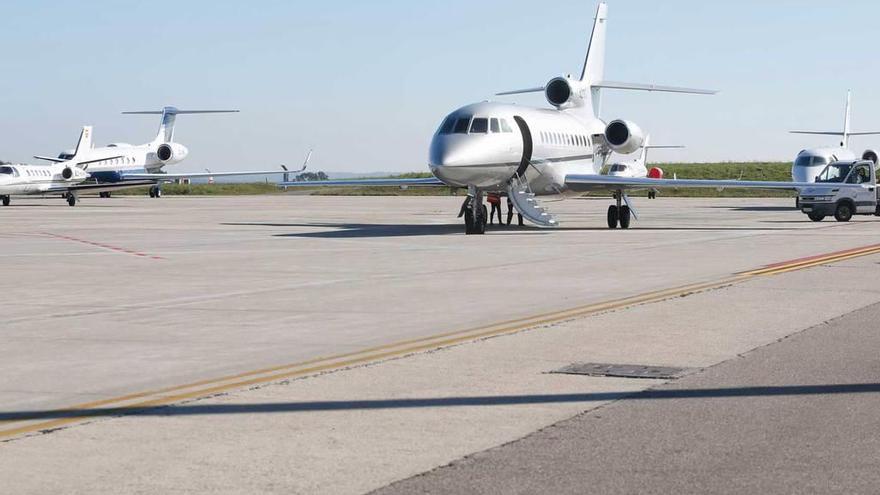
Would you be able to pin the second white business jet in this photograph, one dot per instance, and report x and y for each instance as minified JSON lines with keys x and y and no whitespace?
{"x":68,"y":178}
{"x":810,"y":162}
{"x":525,"y":152}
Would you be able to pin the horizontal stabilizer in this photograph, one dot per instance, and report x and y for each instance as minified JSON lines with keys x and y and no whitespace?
{"x":521,"y":91}
{"x":49,"y":159}
{"x":177,"y":112}
{"x":652,"y":87}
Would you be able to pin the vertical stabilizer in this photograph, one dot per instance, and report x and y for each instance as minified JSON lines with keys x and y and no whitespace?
{"x":169,"y":116}
{"x":594,"y":63}
{"x":85,"y":141}
{"x":846,"y":122}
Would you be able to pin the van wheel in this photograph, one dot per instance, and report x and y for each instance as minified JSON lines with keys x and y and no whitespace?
{"x":816,"y":217}
{"x":843,"y":213}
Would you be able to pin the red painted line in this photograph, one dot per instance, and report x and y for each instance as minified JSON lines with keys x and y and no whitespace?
{"x":822,"y":256}
{"x":103,"y":246}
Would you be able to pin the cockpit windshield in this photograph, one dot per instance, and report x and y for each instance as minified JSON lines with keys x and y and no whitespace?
{"x":467,"y":124}
{"x":618,"y":168}
{"x":7,"y":170}
{"x":836,"y":172}
{"x":810,"y":161}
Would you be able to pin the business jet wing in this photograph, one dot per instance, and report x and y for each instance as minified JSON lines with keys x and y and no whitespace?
{"x":415,"y":182}
{"x":200,"y":175}
{"x":587,"y":183}
{"x":91,"y":187}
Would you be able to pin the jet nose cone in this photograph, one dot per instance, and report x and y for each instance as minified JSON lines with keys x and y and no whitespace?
{"x":453,"y":151}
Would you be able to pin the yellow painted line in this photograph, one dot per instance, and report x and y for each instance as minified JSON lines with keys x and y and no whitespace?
{"x":209,"y":387}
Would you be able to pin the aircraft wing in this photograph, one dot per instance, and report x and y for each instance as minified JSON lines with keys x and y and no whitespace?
{"x":201,"y":175}
{"x":424,"y":182}
{"x":586,"y":183}
{"x":91,"y":187}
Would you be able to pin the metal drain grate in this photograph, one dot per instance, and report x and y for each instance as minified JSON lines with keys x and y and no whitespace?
{"x":623,"y":370}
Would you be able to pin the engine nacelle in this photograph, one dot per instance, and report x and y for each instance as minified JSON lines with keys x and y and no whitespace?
{"x":565,"y":92}
{"x":624,"y":137}
{"x":870,"y":155}
{"x":74,"y":174}
{"x":655,"y":173}
{"x":171,"y":152}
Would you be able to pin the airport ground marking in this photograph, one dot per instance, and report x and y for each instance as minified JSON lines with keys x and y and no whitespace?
{"x":116,"y":249}
{"x":210,"y":387}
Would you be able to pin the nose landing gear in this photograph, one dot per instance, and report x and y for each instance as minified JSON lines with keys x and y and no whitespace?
{"x":6,"y":200}
{"x":619,"y":213}
{"x":475,"y":213}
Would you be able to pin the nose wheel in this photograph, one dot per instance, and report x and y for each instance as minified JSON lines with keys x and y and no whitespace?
{"x":71,"y":199}
{"x":6,"y":200}
{"x":155,"y":192}
{"x":475,"y":214}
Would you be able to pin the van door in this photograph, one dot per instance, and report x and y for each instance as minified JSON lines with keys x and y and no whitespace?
{"x":865,"y":197}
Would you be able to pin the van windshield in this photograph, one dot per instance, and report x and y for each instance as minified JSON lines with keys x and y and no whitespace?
{"x":836,"y":172}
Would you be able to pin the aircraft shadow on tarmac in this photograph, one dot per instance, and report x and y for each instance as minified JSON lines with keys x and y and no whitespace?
{"x":754,"y":208}
{"x":357,"y":230}
{"x":416,"y":403}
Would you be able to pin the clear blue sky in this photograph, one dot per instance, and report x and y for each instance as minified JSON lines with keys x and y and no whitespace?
{"x":366,"y":83}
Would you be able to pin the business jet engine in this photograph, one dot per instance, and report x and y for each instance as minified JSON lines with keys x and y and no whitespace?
{"x":624,"y":137}
{"x":870,"y":155}
{"x":171,"y":152}
{"x":74,"y":174}
{"x":565,"y":92}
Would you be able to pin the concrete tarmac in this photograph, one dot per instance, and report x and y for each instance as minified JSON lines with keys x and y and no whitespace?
{"x":797,"y":416}
{"x":119,"y":296}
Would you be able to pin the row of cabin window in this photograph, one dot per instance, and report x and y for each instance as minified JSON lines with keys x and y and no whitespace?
{"x":35,"y":173}
{"x":562,"y":139}
{"x":479,"y":125}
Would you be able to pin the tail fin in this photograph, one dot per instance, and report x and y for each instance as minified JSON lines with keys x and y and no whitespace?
{"x":169,"y":116}
{"x":847,"y":119}
{"x":85,"y":141}
{"x":847,"y":130}
{"x":594,"y":64}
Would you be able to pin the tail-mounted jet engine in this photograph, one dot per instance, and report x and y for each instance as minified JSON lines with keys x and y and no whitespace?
{"x":74,"y":173}
{"x":655,"y":173}
{"x":565,"y":92}
{"x":870,"y":155}
{"x":171,"y":152}
{"x":624,"y":137}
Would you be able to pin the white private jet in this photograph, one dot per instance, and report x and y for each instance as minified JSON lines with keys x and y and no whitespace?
{"x":118,"y":162}
{"x":525,"y":152}
{"x":68,"y":178}
{"x":810,"y":162}
{"x":638,"y":167}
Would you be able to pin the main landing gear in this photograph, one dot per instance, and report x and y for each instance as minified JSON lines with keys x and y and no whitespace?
{"x":5,"y":200}
{"x":474,"y":212}
{"x":619,"y":213}
{"x":105,"y":194}
{"x":71,"y":199}
{"x":155,"y":192}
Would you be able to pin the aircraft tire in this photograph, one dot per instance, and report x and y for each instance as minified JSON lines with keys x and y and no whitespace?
{"x":613,"y":217}
{"x":6,"y":200}
{"x":625,"y":217}
{"x":71,"y":199}
{"x":843,"y":213}
{"x":816,"y":217}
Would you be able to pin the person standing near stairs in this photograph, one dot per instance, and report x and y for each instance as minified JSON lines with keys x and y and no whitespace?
{"x":495,"y":201}
{"x":510,"y":213}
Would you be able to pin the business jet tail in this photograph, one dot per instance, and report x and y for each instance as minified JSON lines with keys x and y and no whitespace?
{"x":846,"y":133}
{"x":85,"y":141}
{"x":169,"y":116}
